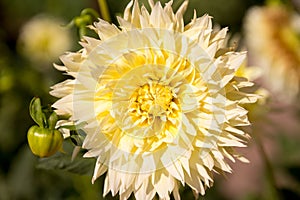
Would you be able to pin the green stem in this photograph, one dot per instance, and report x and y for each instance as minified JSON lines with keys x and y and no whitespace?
{"x":104,"y":10}
{"x":273,"y":2}
{"x":287,"y":3}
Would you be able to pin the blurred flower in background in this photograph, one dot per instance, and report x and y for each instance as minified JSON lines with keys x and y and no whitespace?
{"x":43,"y":38}
{"x":272,"y":37}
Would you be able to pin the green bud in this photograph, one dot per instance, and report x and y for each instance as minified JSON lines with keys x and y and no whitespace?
{"x":44,"y":142}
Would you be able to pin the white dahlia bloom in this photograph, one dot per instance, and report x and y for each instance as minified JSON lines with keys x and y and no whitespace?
{"x":162,"y":105}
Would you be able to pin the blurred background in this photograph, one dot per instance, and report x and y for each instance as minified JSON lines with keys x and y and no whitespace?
{"x":34,"y":33}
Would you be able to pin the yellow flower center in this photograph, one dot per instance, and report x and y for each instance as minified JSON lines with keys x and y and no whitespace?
{"x":153,"y":100}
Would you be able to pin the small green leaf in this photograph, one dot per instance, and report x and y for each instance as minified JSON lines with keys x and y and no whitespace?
{"x":74,"y":140}
{"x":73,"y":127}
{"x":64,"y":117}
{"x":77,"y":139}
{"x":52,"y":120}
{"x":36,"y":113}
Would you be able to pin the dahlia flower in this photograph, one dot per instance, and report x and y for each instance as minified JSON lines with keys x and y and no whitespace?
{"x":161,"y":103}
{"x":272,"y":39}
{"x":42,"y":39}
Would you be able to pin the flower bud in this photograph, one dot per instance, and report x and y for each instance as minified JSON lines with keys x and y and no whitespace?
{"x":44,"y":142}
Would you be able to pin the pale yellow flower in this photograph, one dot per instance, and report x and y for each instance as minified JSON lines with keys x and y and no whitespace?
{"x":273,"y":43}
{"x":42,"y":39}
{"x":161,"y":108}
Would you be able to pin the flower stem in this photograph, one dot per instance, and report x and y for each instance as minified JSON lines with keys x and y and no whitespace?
{"x":278,"y":2}
{"x":104,"y":10}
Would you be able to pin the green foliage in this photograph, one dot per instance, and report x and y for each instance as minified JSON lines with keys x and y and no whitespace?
{"x":81,"y":22}
{"x":36,"y":113}
{"x":79,"y":165}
